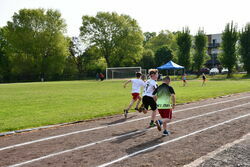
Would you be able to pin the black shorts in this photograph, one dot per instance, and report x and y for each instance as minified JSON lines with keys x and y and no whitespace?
{"x":149,"y":101}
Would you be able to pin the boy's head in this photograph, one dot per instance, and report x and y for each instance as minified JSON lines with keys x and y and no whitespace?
{"x":138,"y":74}
{"x":166,"y":80}
{"x":153,"y":73}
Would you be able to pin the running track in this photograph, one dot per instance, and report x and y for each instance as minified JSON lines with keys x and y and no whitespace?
{"x":197,"y":129}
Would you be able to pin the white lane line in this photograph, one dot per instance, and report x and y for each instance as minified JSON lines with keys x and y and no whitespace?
{"x":117,"y":137}
{"x":106,"y":126}
{"x":212,"y":154}
{"x":170,"y":141}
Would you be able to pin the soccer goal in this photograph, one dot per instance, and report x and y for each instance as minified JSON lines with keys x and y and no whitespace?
{"x":122,"y":72}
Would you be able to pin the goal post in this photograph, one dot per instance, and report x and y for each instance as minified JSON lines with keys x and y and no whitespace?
{"x":122,"y":72}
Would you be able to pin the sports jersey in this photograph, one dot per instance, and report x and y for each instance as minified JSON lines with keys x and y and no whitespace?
{"x":150,"y":87}
{"x":136,"y":85}
{"x":163,"y":93}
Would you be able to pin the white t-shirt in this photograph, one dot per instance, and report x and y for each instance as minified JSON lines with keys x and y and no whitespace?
{"x":136,"y":85}
{"x":150,"y":87}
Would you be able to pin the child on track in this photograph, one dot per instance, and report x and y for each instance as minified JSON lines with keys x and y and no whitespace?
{"x":136,"y":88}
{"x":164,"y":94}
{"x":148,"y":99}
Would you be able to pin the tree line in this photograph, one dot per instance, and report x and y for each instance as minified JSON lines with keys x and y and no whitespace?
{"x":33,"y":46}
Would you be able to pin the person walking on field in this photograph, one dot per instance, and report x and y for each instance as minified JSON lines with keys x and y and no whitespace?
{"x":136,"y":88}
{"x":164,"y":94}
{"x":184,"y":79}
{"x":148,"y":99}
{"x":204,"y":79}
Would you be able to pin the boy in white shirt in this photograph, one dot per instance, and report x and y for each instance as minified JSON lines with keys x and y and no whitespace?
{"x":136,"y":88}
{"x":148,"y":100}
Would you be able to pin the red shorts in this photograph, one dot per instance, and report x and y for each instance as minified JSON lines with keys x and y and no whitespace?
{"x":165,"y":113}
{"x":135,"y":96}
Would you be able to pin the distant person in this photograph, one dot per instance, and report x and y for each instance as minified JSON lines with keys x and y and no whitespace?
{"x":136,"y":89}
{"x":204,"y":79}
{"x":159,"y":77}
{"x":165,"y":97}
{"x":97,"y":76}
{"x":184,"y":79}
{"x":101,"y":76}
{"x":148,"y":99}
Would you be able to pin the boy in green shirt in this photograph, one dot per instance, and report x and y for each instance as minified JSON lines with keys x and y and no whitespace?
{"x":164,"y":94}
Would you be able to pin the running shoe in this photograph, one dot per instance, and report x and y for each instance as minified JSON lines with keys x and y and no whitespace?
{"x":136,"y":109}
{"x":125,"y":113}
{"x":166,"y":133}
{"x":152,"y":124}
{"x":158,"y":124}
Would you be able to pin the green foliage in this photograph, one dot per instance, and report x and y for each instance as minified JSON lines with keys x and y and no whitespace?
{"x":163,"y":55}
{"x":184,"y":42}
{"x":147,"y":60}
{"x":118,"y":37}
{"x":38,"y":46}
{"x":4,"y":60}
{"x":148,"y":36}
{"x":229,"y":39}
{"x":245,"y":47}
{"x":200,"y":47}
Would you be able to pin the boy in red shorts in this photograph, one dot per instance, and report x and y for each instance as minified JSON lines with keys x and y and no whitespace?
{"x":164,"y":95}
{"x":136,"y":88}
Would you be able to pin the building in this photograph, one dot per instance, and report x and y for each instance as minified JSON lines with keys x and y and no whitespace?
{"x":214,"y":42}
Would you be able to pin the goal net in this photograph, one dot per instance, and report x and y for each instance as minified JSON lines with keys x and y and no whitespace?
{"x":122,"y":72}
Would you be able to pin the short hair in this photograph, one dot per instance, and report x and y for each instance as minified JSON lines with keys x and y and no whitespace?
{"x":166,"y":78}
{"x":138,"y":74}
{"x":152,"y":71}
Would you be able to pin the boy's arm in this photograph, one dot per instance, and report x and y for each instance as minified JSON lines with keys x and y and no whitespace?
{"x":125,"y":84}
{"x":173,"y":100}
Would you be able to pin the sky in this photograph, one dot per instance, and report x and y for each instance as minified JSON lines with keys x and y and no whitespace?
{"x":151,"y":15}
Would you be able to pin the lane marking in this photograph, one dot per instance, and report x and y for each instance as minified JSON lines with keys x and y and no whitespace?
{"x":212,"y":154}
{"x":117,"y":137}
{"x":170,"y":141}
{"x":106,"y":126}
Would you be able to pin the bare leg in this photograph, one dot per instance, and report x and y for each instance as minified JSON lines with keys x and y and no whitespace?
{"x":153,"y":115}
{"x":139,"y":100}
{"x":131,"y":104}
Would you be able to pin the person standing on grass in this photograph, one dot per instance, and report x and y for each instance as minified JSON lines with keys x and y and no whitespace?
{"x":148,"y":99}
{"x":164,"y":95}
{"x":204,"y":79}
{"x":184,"y":79}
{"x":136,"y":88}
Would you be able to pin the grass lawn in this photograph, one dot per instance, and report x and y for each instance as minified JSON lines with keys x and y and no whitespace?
{"x":26,"y":105}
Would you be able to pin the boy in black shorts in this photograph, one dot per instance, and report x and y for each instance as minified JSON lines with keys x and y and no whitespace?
{"x":148,"y":99}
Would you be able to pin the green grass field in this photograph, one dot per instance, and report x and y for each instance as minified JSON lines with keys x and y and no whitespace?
{"x":26,"y":105}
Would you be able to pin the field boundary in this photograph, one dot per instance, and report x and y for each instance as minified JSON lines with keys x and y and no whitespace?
{"x":105,"y":117}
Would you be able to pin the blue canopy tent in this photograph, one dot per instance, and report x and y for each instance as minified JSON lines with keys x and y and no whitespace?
{"x":170,"y":66}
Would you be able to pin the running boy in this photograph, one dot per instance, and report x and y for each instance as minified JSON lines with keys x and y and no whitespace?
{"x":136,"y":88}
{"x":164,"y":94}
{"x":148,"y":99}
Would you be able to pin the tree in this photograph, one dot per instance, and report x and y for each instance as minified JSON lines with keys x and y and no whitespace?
{"x":118,"y":37}
{"x":38,"y":46}
{"x":163,"y":55}
{"x":148,"y":36}
{"x":4,"y":59}
{"x":200,"y":42}
{"x":147,"y":60}
{"x":245,"y":47}
{"x":229,"y":39}
{"x":184,"y":42}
